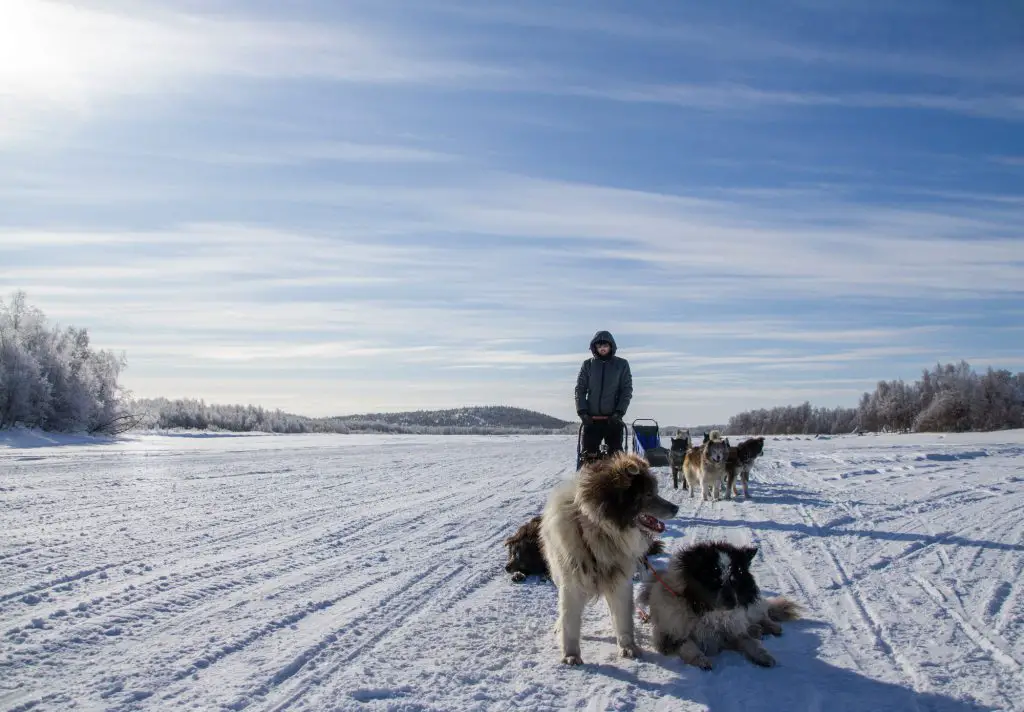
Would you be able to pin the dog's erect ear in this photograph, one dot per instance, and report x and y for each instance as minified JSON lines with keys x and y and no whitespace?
{"x":749,"y":552}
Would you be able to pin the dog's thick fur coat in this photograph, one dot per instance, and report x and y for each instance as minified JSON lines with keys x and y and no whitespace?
{"x":704,"y":467}
{"x":592,"y":535}
{"x":707,"y":600}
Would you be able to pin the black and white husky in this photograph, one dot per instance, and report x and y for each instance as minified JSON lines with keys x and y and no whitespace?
{"x":707,"y":600}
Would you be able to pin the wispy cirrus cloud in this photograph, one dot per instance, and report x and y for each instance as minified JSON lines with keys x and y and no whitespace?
{"x":841,"y":248}
{"x":745,"y":40}
{"x":327,"y":152}
{"x":1008,"y":160}
{"x":742,"y":98}
{"x":58,"y":57}
{"x":845,"y":248}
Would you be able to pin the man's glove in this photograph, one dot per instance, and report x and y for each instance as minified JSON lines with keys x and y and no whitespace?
{"x":615,"y":418}
{"x":585,"y":417}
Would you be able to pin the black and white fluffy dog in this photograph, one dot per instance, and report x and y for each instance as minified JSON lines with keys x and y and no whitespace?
{"x":707,"y":600}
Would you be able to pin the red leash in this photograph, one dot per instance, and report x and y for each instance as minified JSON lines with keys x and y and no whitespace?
{"x":644,"y":615}
{"x":657,"y":576}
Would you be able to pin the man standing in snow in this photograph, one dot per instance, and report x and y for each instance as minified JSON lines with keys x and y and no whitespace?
{"x":604,"y":388}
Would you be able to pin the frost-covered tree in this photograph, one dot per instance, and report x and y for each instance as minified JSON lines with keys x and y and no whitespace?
{"x":51,"y":378}
{"x":948,"y":398}
{"x":793,"y":420}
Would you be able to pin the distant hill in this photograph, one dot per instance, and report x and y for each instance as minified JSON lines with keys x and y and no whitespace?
{"x":191,"y":414}
{"x":492,"y":416}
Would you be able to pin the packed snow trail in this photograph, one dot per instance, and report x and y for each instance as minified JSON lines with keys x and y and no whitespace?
{"x":365,"y":573}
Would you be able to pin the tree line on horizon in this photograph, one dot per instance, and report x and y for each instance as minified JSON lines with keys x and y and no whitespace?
{"x":947,"y":398}
{"x":53,"y":379}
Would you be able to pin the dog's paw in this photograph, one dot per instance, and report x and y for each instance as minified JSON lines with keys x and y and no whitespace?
{"x":771,"y":626}
{"x":762,"y":657}
{"x":701,"y":661}
{"x":518,"y":577}
{"x":572,"y":660}
{"x":630,"y":651}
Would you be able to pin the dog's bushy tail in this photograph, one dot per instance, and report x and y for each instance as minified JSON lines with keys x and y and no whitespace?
{"x":782,"y":609}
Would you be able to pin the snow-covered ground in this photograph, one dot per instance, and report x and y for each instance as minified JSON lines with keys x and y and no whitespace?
{"x":365,"y":573}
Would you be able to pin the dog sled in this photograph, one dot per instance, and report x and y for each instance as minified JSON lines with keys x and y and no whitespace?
{"x":646,"y":442}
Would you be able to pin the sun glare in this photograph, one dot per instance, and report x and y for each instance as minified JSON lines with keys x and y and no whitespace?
{"x":35,"y":50}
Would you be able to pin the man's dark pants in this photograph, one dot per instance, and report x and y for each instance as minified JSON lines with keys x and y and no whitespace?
{"x":610,"y":432}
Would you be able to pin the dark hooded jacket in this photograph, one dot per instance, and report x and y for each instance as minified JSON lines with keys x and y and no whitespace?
{"x":604,"y":385}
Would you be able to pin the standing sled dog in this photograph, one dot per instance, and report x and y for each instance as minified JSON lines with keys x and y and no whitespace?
{"x":677,"y":452}
{"x":593,"y":530}
{"x":705,"y":467}
{"x":740,"y":463}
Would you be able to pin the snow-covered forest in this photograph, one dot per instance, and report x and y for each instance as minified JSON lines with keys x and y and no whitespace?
{"x":948,"y":398}
{"x":52,"y":379}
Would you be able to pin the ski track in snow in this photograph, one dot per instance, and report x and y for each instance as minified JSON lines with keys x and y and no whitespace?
{"x":366,"y":573}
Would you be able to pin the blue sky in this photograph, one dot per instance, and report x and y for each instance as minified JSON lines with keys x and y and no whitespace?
{"x":380,"y":205}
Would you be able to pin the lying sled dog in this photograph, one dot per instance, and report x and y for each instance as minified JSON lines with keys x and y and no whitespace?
{"x":525,"y":558}
{"x":707,"y":600}
{"x":593,"y":531}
